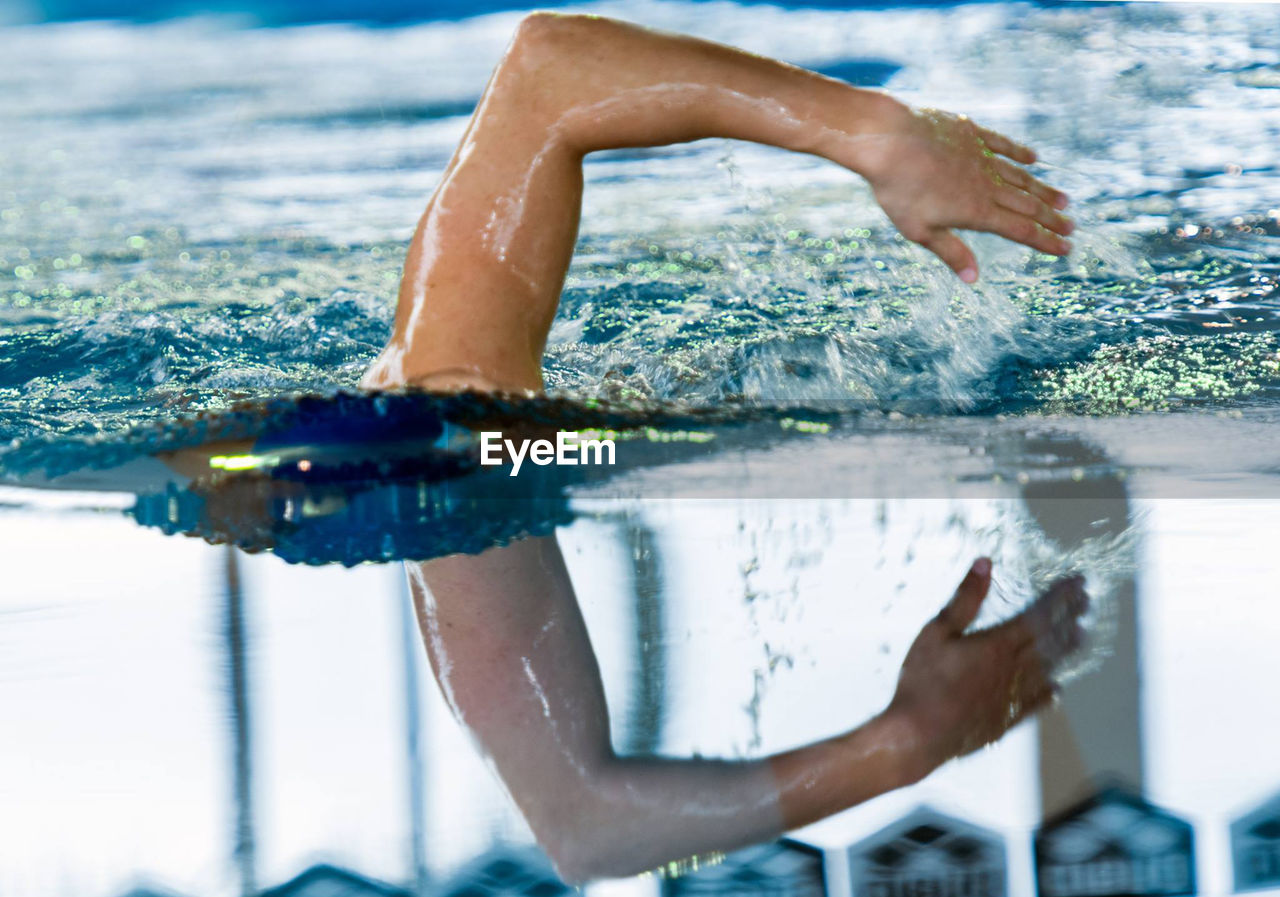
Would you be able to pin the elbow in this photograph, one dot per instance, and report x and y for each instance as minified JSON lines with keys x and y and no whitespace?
{"x":537,"y":25}
{"x":543,"y":27}
{"x":581,"y":848}
{"x":545,"y":34}
{"x":587,"y":836}
{"x":581,"y":857}
{"x":551,"y":64}
{"x":571,"y":865}
{"x":535,"y":62}
{"x":563,"y":39}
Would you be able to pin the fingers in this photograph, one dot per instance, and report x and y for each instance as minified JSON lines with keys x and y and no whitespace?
{"x":1054,"y":620}
{"x":1006,"y":147}
{"x":1001,"y":144}
{"x":1066,"y":597}
{"x":1012,"y":174}
{"x":1024,"y":230}
{"x":967,"y":601}
{"x":1024,"y":203}
{"x":953,"y":251}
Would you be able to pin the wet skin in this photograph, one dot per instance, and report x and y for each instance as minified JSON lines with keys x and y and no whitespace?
{"x":511,"y":652}
{"x":486,"y":266}
{"x":480,"y":288}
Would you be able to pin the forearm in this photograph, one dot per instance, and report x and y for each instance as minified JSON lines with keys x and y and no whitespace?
{"x":509,"y":646}
{"x":617,"y":816}
{"x":605,"y":84}
{"x":829,"y":776}
{"x":628,"y":815}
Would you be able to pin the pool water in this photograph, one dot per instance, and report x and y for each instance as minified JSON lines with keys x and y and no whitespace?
{"x":198,"y":215}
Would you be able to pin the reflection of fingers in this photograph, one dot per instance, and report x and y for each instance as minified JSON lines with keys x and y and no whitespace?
{"x":1057,"y":642}
{"x":1006,"y":147}
{"x":1079,"y":600}
{"x":952,"y":250}
{"x":1055,"y":618}
{"x":967,"y":601}
{"x":1065,"y":598}
{"x":1033,"y":207}
{"x":1026,"y":231}
{"x":1075,"y":638}
{"x":1012,"y":174}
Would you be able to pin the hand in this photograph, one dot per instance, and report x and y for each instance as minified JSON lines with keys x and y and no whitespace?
{"x":958,"y":691}
{"x":932,"y":171}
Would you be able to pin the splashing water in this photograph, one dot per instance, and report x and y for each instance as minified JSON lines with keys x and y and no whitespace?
{"x":186,"y":273}
{"x":1028,"y":562}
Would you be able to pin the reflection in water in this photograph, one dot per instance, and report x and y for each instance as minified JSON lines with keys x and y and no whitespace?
{"x":510,"y":648}
{"x":511,"y":653}
{"x":607,"y":651}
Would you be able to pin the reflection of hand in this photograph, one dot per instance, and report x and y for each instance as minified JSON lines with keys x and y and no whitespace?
{"x":932,"y":171}
{"x":958,"y":691}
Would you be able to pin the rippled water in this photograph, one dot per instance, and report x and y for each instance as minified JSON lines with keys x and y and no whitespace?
{"x":199,"y":217}
{"x":196,"y":214}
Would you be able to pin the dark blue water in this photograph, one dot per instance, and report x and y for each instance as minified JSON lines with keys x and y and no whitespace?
{"x":397,"y":12}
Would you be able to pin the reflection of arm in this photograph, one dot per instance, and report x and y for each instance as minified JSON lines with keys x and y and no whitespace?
{"x":509,"y":647}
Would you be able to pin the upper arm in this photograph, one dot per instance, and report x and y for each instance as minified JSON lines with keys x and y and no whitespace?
{"x":510,"y":649}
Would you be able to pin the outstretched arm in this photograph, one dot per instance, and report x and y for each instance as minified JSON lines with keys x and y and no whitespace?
{"x":487,"y":263}
{"x":507,"y":642}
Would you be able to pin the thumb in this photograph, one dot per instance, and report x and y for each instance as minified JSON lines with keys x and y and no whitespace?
{"x":952,"y":250}
{"x":964,"y":606}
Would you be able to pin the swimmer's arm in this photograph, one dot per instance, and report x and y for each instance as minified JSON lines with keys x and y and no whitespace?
{"x":509,"y":647}
{"x":508,"y":644}
{"x":486,"y":266}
